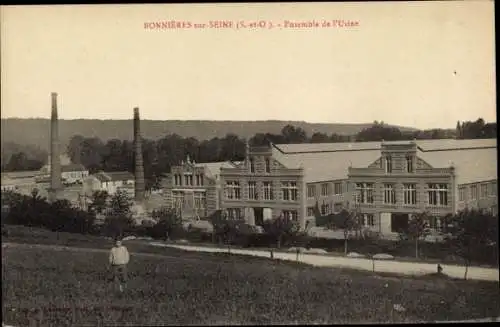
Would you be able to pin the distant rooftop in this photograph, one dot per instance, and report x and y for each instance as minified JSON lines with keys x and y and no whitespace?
{"x":114,"y":176}
{"x":474,"y":160}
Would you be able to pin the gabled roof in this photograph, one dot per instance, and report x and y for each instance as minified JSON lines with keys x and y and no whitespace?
{"x":474,"y":160}
{"x":114,"y":176}
{"x":212,"y":169}
{"x":21,"y":174}
{"x":73,"y":167}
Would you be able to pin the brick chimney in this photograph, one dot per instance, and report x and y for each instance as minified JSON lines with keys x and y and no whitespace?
{"x":55,"y":160}
{"x":139,"y":164}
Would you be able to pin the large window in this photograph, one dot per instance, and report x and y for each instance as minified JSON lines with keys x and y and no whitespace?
{"x":252,"y":190}
{"x":233,"y":190}
{"x":268,"y":191}
{"x":325,"y":209}
{"x":188,"y":178}
{"x":177,"y":179}
{"x":368,"y":220}
{"x":461,"y":193}
{"x":289,"y":191}
{"x":233,"y":213}
{"x":364,"y":192}
{"x":473,"y":192}
{"x":388,"y":164}
{"x":409,"y":163}
{"x":337,"y":188}
{"x":484,"y":191}
{"x":325,"y":189}
{"x":199,"y":179}
{"x":410,"y":193}
{"x":252,"y":165}
{"x":177,"y":199}
{"x":200,"y":201}
{"x":493,"y":189}
{"x":437,"y":194}
{"x":311,"y":191}
{"x":290,"y":214}
{"x":268,"y":165}
{"x":389,"y":194}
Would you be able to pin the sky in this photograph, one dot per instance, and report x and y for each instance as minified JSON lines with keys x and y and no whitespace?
{"x":416,"y":64}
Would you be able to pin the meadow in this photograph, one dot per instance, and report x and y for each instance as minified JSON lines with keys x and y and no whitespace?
{"x":172,"y":287}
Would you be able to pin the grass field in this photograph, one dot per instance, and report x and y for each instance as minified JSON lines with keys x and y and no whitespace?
{"x":61,"y":288}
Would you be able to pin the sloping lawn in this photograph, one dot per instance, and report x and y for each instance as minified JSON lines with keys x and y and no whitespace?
{"x":65,"y":287}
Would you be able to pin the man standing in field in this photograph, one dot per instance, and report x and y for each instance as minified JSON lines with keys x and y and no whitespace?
{"x":118,"y":259}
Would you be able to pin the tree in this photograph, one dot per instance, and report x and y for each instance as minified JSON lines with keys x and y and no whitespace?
{"x":319,"y":138}
{"x":418,"y":228}
{"x":119,"y":218}
{"x":347,"y":220}
{"x":294,"y":134}
{"x":168,"y":222}
{"x":100,"y":200}
{"x":472,"y":232}
{"x":280,"y":227}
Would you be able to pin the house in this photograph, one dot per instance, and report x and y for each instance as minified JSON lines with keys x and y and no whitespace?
{"x":71,"y":173}
{"x":23,"y":182}
{"x":194,"y":189}
{"x":386,"y":182}
{"x":110,"y":182}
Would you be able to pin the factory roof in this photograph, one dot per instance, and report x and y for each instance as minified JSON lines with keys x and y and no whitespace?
{"x":114,"y":176}
{"x":474,"y":160}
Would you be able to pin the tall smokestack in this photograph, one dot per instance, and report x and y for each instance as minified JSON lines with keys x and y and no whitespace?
{"x":139,"y":165}
{"x":55,"y":160}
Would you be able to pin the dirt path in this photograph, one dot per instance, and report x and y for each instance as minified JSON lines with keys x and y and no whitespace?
{"x":389,"y":266}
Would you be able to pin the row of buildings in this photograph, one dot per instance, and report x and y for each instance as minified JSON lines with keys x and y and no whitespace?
{"x":79,"y":184}
{"x":386,"y":182}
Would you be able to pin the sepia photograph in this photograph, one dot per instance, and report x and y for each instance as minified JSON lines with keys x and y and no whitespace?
{"x":249,"y":164}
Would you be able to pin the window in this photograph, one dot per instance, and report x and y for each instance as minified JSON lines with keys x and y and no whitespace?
{"x":337,"y":188}
{"x":268,"y":191}
{"x":268,"y":165}
{"x":252,"y":190}
{"x":434,"y":223}
{"x":493,"y":189}
{"x":437,"y":194}
{"x":200,"y":202}
{"x":364,"y":192}
{"x":310,"y":211}
{"x":233,"y":213}
{"x":290,"y":191}
{"x":473,"y":192}
{"x":175,"y":180}
{"x":368,"y":220}
{"x":311,"y":191}
{"x":409,"y":164}
{"x":461,"y":193}
{"x":188,"y":178}
{"x":410,"y":193}
{"x":290,"y":214}
{"x":389,"y":194}
{"x":388,"y":164}
{"x":199,"y":179}
{"x":325,"y":209}
{"x":233,"y":190}
{"x":177,"y":199}
{"x":325,"y":189}
{"x":252,"y":165}
{"x":484,"y":191}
